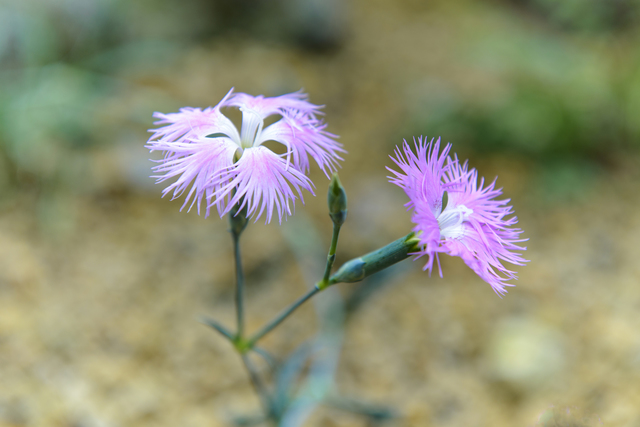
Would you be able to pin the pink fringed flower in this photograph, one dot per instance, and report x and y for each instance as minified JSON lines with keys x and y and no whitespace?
{"x":221,"y":166}
{"x":456,"y":215}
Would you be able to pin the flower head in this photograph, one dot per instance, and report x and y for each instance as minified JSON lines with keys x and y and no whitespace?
{"x":222,"y":166}
{"x":457,"y":215}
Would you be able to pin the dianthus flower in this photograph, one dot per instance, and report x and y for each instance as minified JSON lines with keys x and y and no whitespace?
{"x":224,"y":167}
{"x":456,"y":215}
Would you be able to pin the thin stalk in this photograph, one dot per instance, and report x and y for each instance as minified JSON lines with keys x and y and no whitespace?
{"x":325,"y":282}
{"x":238,"y":222}
{"x":259,"y":387}
{"x":239,"y":286}
{"x":280,"y":317}
{"x":271,"y":361}
{"x":374,"y":412}
{"x":218,"y":327}
{"x":331,"y":257}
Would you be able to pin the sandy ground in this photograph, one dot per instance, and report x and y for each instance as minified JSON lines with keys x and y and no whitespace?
{"x":99,"y":319}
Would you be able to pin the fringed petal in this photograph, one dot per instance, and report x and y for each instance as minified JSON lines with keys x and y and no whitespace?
{"x":305,"y":137}
{"x":262,"y":182}
{"x":202,"y":164}
{"x":470,"y":224}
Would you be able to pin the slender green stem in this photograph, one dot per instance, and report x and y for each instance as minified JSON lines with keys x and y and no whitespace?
{"x":239,"y":286}
{"x":218,"y":327}
{"x":376,"y":413}
{"x":259,"y":387}
{"x":331,"y":257}
{"x":280,"y":317}
{"x":271,"y":361}
{"x":238,"y":222}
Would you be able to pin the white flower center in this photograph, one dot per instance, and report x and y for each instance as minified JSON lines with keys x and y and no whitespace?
{"x":252,"y":124}
{"x":451,"y":221}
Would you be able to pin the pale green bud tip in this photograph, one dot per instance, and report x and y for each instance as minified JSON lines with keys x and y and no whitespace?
{"x":337,"y":201}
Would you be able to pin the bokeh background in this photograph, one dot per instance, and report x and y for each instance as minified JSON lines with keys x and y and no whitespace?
{"x":102,"y":282}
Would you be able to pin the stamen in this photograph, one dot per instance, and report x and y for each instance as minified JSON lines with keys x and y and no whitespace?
{"x":451,"y":221}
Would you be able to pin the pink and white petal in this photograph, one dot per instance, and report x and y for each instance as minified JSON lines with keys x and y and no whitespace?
{"x":305,"y":138}
{"x":263,"y":182}
{"x":267,"y":106}
{"x":201,"y":164}
{"x":488,"y":238}
{"x":483,"y":255}
{"x":428,"y":232}
{"x":192,"y":123}
{"x":488,"y":231}
{"x":421,"y":173}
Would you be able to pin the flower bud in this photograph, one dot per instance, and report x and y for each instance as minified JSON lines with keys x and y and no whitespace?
{"x":337,"y":201}
{"x":366,"y":265}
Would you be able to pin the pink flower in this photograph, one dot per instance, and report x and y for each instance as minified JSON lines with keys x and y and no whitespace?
{"x":224,"y":167}
{"x":456,"y":215}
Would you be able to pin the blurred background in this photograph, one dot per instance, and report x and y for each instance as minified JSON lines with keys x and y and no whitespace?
{"x":102,"y":282}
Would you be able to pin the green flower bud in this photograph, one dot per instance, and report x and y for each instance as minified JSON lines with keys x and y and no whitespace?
{"x":366,"y":265}
{"x":337,"y":201}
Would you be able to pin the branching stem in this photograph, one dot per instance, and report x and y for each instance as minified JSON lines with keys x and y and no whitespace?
{"x":281,"y":317}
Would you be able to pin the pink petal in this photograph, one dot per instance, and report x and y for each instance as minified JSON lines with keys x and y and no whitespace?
{"x":263,"y":182}
{"x":305,"y":138}
{"x":486,"y":235}
{"x":201,"y":164}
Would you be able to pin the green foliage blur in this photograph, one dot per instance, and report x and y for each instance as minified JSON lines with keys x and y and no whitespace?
{"x":60,"y":94}
{"x":79,"y":74}
{"x":572,"y":92}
